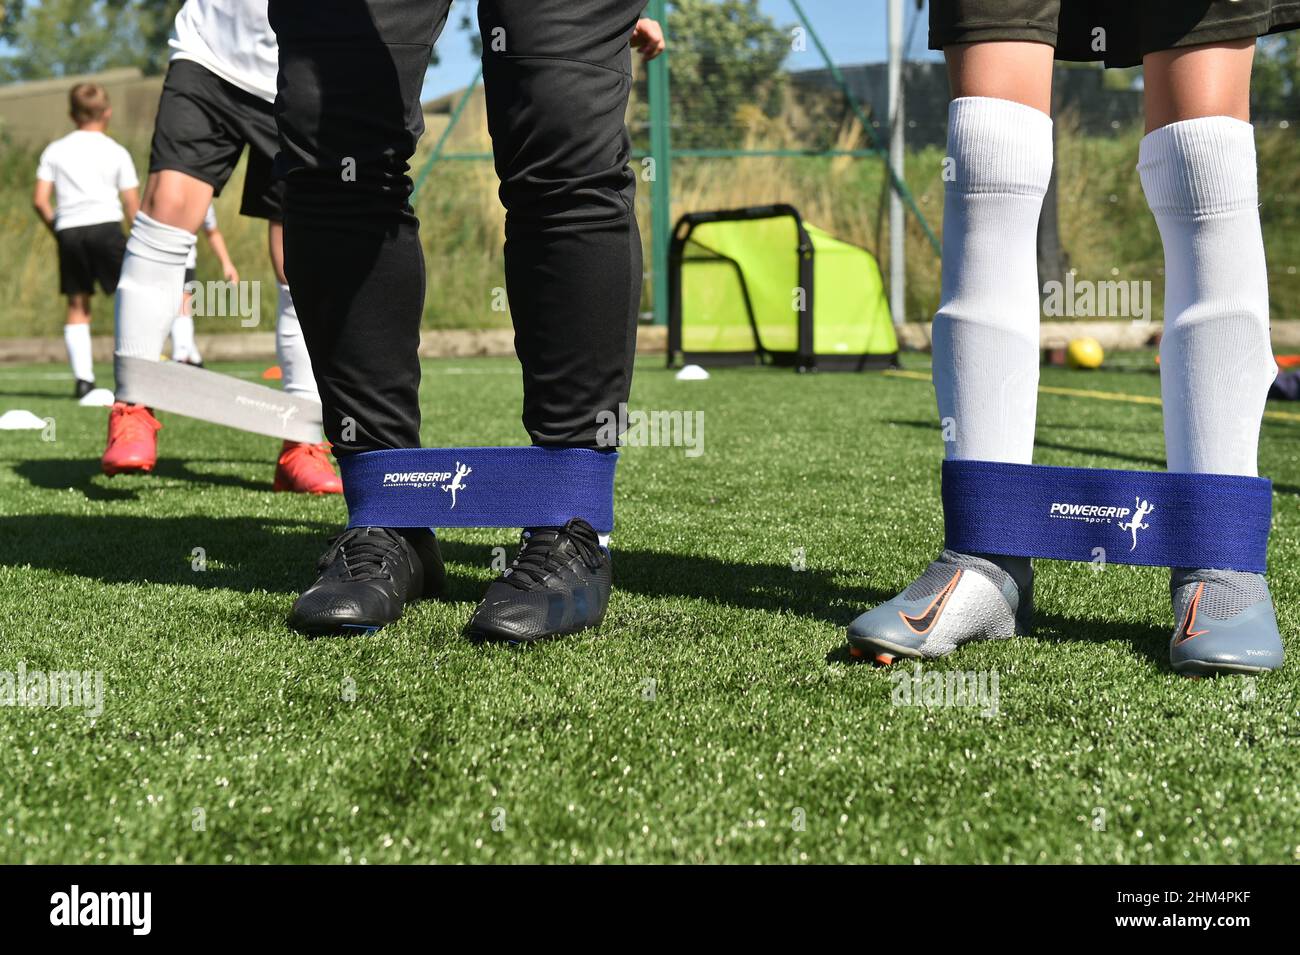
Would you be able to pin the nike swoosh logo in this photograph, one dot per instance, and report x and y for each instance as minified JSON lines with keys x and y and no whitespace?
{"x":1185,"y":632}
{"x":924,"y":623}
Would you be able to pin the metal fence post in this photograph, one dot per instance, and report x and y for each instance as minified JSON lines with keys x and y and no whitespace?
{"x":661,"y":157}
{"x":897,"y":158}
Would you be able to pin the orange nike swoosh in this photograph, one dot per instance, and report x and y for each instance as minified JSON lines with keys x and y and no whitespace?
{"x":1185,"y":632}
{"x":926,"y":621}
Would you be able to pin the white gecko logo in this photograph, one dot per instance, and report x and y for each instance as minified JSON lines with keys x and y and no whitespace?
{"x":1143,"y":509}
{"x":457,"y":484}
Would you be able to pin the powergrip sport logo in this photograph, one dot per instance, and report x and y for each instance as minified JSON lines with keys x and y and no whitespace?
{"x":1107,"y":514}
{"x":448,"y":481}
{"x":283,"y":412}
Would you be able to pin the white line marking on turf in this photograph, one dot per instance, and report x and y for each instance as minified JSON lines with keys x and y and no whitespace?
{"x":251,"y":375}
{"x":1089,"y":393}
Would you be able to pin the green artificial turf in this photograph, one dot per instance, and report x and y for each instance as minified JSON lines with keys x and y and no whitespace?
{"x":714,"y":717}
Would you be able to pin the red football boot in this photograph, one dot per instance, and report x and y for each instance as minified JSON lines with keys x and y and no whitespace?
{"x":132,"y":440}
{"x":306,"y":469}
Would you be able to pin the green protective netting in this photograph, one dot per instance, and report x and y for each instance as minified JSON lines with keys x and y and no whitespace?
{"x":713,"y":295}
{"x":851,"y":311}
{"x":730,"y":267}
{"x":725,"y":261}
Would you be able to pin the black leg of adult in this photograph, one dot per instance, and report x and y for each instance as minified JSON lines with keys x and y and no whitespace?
{"x":557,"y":75}
{"x":349,"y":116}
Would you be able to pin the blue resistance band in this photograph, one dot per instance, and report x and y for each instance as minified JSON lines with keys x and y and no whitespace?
{"x":479,"y":487}
{"x":1156,"y":518}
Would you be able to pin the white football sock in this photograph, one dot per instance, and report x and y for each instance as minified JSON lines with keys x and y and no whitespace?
{"x":1216,"y":360}
{"x":985,"y":336}
{"x":291,"y":351}
{"x":150,"y":286}
{"x":184,"y":347}
{"x":77,"y":339}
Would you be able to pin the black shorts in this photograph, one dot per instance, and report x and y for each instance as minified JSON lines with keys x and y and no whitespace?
{"x":203,"y":125}
{"x":90,"y":254}
{"x":1117,"y":32}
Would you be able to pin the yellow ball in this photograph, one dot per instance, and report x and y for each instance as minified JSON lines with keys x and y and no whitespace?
{"x":1084,"y":353}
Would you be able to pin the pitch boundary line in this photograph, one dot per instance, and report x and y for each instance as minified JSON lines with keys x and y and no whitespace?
{"x":1088,"y":393}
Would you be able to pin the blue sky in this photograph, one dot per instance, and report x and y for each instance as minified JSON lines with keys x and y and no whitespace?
{"x":852,"y":30}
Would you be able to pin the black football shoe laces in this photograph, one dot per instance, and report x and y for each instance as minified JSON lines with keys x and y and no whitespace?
{"x":362,"y":554}
{"x":542,"y":553}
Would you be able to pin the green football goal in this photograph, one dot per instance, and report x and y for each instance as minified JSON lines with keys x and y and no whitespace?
{"x":759,"y":285}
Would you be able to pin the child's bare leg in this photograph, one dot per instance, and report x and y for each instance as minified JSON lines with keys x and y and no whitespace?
{"x":1198,"y":81}
{"x":176,"y":199}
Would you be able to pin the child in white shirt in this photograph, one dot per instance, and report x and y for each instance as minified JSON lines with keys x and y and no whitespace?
{"x":94,"y":182}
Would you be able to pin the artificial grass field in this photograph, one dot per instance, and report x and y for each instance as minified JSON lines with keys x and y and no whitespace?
{"x":712,"y":714}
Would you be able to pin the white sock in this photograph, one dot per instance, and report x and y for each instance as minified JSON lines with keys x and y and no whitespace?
{"x":985,"y":336}
{"x":604,"y":540}
{"x":150,"y":286}
{"x":1216,"y":360}
{"x":291,"y":351}
{"x":184,"y":347}
{"x":77,"y":338}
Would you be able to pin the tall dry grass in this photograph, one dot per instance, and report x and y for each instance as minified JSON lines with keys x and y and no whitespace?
{"x":1105,"y":225}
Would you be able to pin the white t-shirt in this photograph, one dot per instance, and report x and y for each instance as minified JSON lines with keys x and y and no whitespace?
{"x":209,"y":223}
{"x":233,"y":39}
{"x":89,"y":171}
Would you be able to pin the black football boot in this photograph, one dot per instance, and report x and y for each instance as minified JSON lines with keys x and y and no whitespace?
{"x":559,"y":583}
{"x":367,"y":577}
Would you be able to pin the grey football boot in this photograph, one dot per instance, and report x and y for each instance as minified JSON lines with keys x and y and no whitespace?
{"x":959,"y":599}
{"x":1224,"y":623}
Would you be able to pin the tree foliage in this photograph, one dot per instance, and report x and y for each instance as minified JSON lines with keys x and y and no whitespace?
{"x":1275,"y":81}
{"x":66,"y":37}
{"x":725,"y":59}
{"x":729,"y":57}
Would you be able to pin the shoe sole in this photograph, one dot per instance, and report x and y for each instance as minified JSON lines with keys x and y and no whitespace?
{"x":128,"y":469}
{"x":882,"y":651}
{"x":886,"y":653}
{"x":340,"y":630}
{"x":337,"y":629}
{"x":279,"y":488}
{"x":476,"y":635}
{"x":1203,"y":668}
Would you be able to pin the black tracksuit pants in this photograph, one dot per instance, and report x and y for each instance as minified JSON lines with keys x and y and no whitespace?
{"x":557,"y":74}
